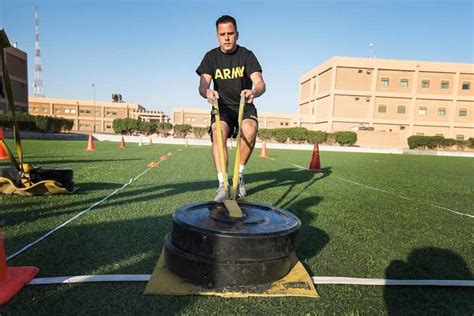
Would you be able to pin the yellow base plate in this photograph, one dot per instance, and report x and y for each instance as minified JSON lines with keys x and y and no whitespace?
{"x":296,"y":283}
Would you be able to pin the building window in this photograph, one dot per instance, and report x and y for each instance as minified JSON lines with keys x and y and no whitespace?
{"x":286,"y":124}
{"x":315,"y":87}
{"x":281,"y":123}
{"x":441,"y":111}
{"x":312,"y":110}
{"x":401,"y":109}
{"x":404,"y":83}
{"x":108,"y":126}
{"x":444,"y":84}
{"x":382,"y":108}
{"x":462,"y":112}
{"x":422,"y":110}
{"x":460,"y":137}
{"x":385,"y":82}
{"x":466,"y":85}
{"x":425,"y":84}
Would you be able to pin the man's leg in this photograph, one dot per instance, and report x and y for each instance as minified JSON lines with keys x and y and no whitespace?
{"x":249,"y":136}
{"x":249,"y":130}
{"x":220,"y":194}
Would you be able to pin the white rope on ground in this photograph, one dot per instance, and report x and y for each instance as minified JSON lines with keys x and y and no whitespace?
{"x":316,"y":280}
{"x":77,"y":215}
{"x":92,"y":278}
{"x":404,"y":197}
{"x":390,"y":282}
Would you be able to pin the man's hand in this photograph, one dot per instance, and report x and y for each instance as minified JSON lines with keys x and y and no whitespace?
{"x":211,"y":95}
{"x":249,"y":95}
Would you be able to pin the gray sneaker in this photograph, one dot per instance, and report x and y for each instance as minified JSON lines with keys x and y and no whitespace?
{"x":221,"y":194}
{"x":241,"y":192}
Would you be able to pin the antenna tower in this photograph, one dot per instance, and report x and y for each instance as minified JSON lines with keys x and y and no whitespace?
{"x":38,"y":83}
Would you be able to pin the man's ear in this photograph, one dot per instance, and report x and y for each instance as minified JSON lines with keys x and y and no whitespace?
{"x":237,"y":36}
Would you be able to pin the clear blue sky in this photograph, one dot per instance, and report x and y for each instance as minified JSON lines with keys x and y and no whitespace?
{"x":148,"y":50}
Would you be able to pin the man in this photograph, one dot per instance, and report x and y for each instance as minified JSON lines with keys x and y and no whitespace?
{"x":234,"y":70}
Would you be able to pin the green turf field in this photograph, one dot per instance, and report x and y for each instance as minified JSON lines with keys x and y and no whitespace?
{"x":368,"y":215}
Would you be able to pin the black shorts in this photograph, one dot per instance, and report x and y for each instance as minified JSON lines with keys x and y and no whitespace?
{"x":230,"y":115}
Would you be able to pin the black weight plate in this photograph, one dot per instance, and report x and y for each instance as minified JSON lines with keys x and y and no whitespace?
{"x":209,"y":273}
{"x":62,"y":175}
{"x":264,"y":233}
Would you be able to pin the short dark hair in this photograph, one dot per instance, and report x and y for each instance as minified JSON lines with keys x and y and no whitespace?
{"x":226,"y":19}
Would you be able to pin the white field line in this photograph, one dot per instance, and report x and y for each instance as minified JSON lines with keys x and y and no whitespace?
{"x":316,"y":280}
{"x":298,"y":166}
{"x":78,"y":215}
{"x":386,"y":192}
{"x":403,"y":197}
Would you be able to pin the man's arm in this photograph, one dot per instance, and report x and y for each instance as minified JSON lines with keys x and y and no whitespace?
{"x":258,"y":87}
{"x":204,"y":91}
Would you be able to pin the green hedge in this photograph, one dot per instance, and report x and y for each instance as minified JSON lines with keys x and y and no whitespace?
{"x":265,"y":134}
{"x":37,"y":123}
{"x":181,"y":130}
{"x":126,"y":126}
{"x":199,"y":132}
{"x":302,"y":135}
{"x":164,"y":128}
{"x":346,"y":138}
{"x":316,"y":137}
{"x":297,"y":134}
{"x":433,"y":142}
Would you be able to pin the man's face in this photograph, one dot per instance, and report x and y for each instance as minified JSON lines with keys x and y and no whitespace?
{"x":227,"y":36}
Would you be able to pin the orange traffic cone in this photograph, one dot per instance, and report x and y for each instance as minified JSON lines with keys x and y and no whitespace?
{"x":315,"y":165}
{"x":12,"y":279}
{"x":263,"y":151}
{"x":90,"y":144}
{"x":122,"y":143}
{"x":3,"y":154}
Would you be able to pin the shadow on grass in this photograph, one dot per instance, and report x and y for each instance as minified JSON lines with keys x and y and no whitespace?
{"x":125,"y":246}
{"x":283,"y":177}
{"x":429,"y":263}
{"x":312,"y":239}
{"x":45,"y":163}
{"x":289,"y":177}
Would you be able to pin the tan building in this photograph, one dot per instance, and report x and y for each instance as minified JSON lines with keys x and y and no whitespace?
{"x":92,"y":116}
{"x":389,"y":99}
{"x":202,"y":117}
{"x":16,"y":61}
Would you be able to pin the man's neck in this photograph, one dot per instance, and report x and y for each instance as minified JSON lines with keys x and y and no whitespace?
{"x":235,"y":48}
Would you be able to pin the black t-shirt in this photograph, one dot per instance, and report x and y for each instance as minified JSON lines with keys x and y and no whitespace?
{"x":230,"y":72}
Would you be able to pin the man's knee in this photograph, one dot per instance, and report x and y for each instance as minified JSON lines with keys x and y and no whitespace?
{"x":215,"y":129}
{"x":249,"y":127}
